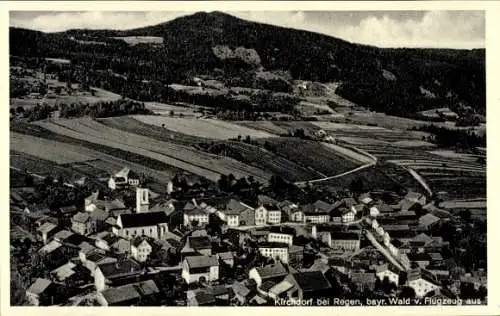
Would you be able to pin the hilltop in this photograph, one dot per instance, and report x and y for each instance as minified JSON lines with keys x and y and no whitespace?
{"x":242,"y":53}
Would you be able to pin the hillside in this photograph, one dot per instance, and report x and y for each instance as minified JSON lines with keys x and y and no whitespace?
{"x":222,"y":47}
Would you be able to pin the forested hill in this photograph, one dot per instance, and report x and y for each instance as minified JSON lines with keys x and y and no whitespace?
{"x":223,"y":47}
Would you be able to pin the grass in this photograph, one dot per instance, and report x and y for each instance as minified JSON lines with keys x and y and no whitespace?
{"x":208,"y":128}
{"x":181,"y":157}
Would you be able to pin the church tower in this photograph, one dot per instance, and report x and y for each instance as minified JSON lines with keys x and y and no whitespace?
{"x":142,"y":200}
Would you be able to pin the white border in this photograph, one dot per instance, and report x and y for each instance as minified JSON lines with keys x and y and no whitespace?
{"x":492,"y":9}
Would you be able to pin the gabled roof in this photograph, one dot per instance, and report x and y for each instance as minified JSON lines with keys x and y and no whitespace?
{"x":80,"y":217}
{"x":201,"y":242}
{"x":228,"y":255}
{"x":428,"y":219}
{"x":39,"y":286}
{"x":435,"y":256}
{"x":322,"y":206}
{"x":384,"y":208}
{"x":51,"y":246}
{"x":235,"y":207}
{"x":273,"y":244}
{"x":267,"y":201}
{"x":62,"y":235}
{"x":202,"y":261}
{"x":147,"y":287}
{"x":203,"y":297}
{"x":311,"y":281}
{"x":47,"y":227}
{"x":416,"y":274}
{"x":344,"y":235}
{"x":64,"y":271}
{"x":413,"y":196}
{"x":421,"y":256}
{"x":121,"y":245}
{"x":99,"y":214}
{"x":271,"y":271}
{"x":241,"y":289}
{"x":423,"y":238}
{"x":116,"y":269}
{"x":122,"y":173}
{"x":120,"y":294}
{"x":280,"y":287}
{"x":87,"y":248}
{"x":68,"y":209}
{"x":137,"y":241}
{"x":363,"y":277}
{"x":143,"y":219}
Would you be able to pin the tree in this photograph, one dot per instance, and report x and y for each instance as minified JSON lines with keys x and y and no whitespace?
{"x":172,"y":113}
{"x":407,"y":292}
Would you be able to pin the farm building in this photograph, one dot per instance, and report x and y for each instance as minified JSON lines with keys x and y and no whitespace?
{"x":123,"y":178}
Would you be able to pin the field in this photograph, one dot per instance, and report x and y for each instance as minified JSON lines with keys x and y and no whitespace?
{"x":265,"y":126}
{"x":208,"y":128}
{"x":167,"y":109}
{"x":182,"y":157}
{"x":134,"y":40}
{"x":312,"y":155}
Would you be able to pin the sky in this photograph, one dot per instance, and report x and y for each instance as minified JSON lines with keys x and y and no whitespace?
{"x":436,"y":29}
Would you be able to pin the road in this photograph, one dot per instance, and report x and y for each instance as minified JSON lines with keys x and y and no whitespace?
{"x":383,"y":250}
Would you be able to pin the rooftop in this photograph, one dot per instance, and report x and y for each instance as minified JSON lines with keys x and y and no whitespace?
{"x":51,"y":246}
{"x":271,"y":271}
{"x":81,"y":217}
{"x":268,"y":244}
{"x":311,"y":281}
{"x":344,"y":236}
{"x":116,"y":269}
{"x":201,"y":261}
{"x":120,"y":294}
{"x":47,"y":227}
{"x":143,"y":219}
{"x":39,"y":286}
{"x":200,"y":242}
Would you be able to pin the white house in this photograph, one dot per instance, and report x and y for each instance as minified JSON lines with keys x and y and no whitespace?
{"x":194,"y":213}
{"x":280,"y":237}
{"x":422,"y":282}
{"x":153,"y":224}
{"x":386,"y":270}
{"x":237,"y":213}
{"x":140,"y":249}
{"x":195,"y":268}
{"x":272,"y":271}
{"x":260,"y":216}
{"x":274,"y":250}
{"x":123,"y":178}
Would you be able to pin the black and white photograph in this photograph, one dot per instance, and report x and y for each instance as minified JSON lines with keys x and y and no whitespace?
{"x":247,"y":158}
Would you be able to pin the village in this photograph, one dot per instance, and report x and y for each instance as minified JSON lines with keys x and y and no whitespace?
{"x":191,"y":247}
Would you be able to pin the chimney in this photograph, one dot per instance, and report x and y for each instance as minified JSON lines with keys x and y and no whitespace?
{"x":194,"y":202}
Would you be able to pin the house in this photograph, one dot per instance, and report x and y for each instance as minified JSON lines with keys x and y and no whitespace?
{"x":153,"y":224}
{"x":279,"y":290}
{"x":381,"y":208}
{"x":116,"y":273}
{"x":50,"y":247}
{"x":140,"y":293}
{"x":81,"y":224}
{"x":365,"y":281}
{"x":318,"y":212}
{"x":98,"y":219}
{"x":242,"y":292}
{"x":121,"y":246}
{"x":310,"y":284}
{"x":140,"y":248}
{"x":365,"y":198}
{"x":197,"y":245}
{"x":387,"y":271}
{"x":291,"y":212}
{"x":273,"y":272}
{"x":197,"y":268}
{"x":226,"y":257}
{"x":104,"y":240}
{"x":221,"y":294}
{"x":95,"y":258}
{"x":47,"y":230}
{"x":345,"y":241}
{"x":200,"y":297}
{"x":416,"y":197}
{"x":475,"y":279}
{"x":86,"y":249}
{"x":194,"y":215}
{"x":280,"y":237}
{"x":62,"y":235}
{"x":42,"y":293}
{"x":236,"y":213}
{"x":295,"y":254}
{"x":428,"y":220}
{"x":422,"y":282}
{"x":436,"y":258}
{"x":274,"y":250}
{"x":422,"y":259}
{"x":123,"y":178}
{"x":63,"y":272}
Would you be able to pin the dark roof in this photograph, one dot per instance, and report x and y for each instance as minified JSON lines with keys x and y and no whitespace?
{"x":68,"y":209}
{"x":116,"y":269}
{"x":219,"y":290}
{"x":81,"y":217}
{"x":200,"y":242}
{"x":143,"y":219}
{"x":421,"y":256}
{"x":241,"y":289}
{"x":415,"y":274}
{"x":271,"y":271}
{"x":363,"y":277}
{"x":311,"y":281}
{"x":344,"y":236}
{"x":267,"y":244}
{"x":99,"y":214}
{"x":202,"y":261}
{"x":267,"y":285}
{"x":77,"y":239}
{"x":235,"y":207}
{"x":204,"y":297}
{"x":120,"y":294}
{"x":267,"y":201}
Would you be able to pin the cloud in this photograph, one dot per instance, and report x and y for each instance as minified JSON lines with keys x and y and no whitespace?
{"x":61,"y":21}
{"x":440,"y":29}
